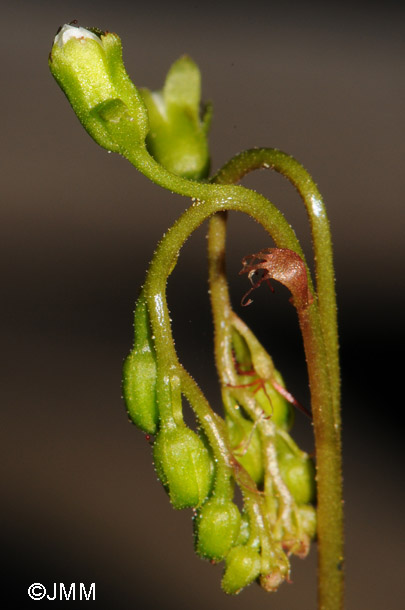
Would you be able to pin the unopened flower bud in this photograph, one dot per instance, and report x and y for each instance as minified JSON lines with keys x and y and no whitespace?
{"x":184,"y":466}
{"x":178,"y":136}
{"x":217,"y":526}
{"x":88,"y":66}
{"x":297,"y":470}
{"x":242,"y":567}
{"x":139,"y":374}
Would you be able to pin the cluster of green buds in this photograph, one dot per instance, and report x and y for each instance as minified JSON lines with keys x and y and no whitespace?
{"x":254,"y":451}
{"x":250,"y":446}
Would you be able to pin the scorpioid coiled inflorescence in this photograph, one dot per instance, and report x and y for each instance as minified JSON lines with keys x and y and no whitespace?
{"x":164,"y":135}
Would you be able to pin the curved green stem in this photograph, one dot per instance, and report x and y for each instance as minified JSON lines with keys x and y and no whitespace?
{"x":168,"y":366}
{"x":220,"y":197}
{"x":272,"y":158}
{"x":220,"y":302}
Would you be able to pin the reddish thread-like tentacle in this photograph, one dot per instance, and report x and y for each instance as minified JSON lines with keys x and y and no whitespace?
{"x":290,"y":398}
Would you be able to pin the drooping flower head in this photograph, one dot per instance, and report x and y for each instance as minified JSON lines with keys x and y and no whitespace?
{"x":88,"y":66}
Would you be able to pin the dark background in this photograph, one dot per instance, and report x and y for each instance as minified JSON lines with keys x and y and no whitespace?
{"x":78,"y":226}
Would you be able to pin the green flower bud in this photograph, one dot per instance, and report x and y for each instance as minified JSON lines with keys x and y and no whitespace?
{"x":243,"y":566}
{"x":216,"y":526}
{"x":245,"y":441}
{"x":178,"y":137}
{"x":297,"y":470}
{"x":184,"y":466}
{"x":88,"y":66}
{"x":139,"y":374}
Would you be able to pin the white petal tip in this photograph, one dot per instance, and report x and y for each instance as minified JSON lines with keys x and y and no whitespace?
{"x":72,"y":31}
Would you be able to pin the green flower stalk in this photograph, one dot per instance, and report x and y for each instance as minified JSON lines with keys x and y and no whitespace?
{"x":164,"y":135}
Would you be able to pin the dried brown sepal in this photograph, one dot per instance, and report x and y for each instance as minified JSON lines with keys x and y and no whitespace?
{"x":284,"y":266}
{"x":300,"y":548}
{"x":271,"y":582}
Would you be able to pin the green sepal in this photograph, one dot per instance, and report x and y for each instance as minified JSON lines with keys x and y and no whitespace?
{"x":206,"y":117}
{"x":139,"y":374}
{"x":243,"y":566}
{"x":217,"y":526}
{"x":115,"y":118}
{"x":183,"y":86}
{"x":183,"y":465}
{"x":178,"y":136}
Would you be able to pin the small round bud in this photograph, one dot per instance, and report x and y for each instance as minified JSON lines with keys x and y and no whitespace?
{"x":242,"y":567}
{"x":184,"y":466}
{"x":217,"y":526}
{"x":139,"y":380}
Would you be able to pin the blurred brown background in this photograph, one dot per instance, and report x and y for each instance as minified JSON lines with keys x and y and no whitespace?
{"x":80,"y":498}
